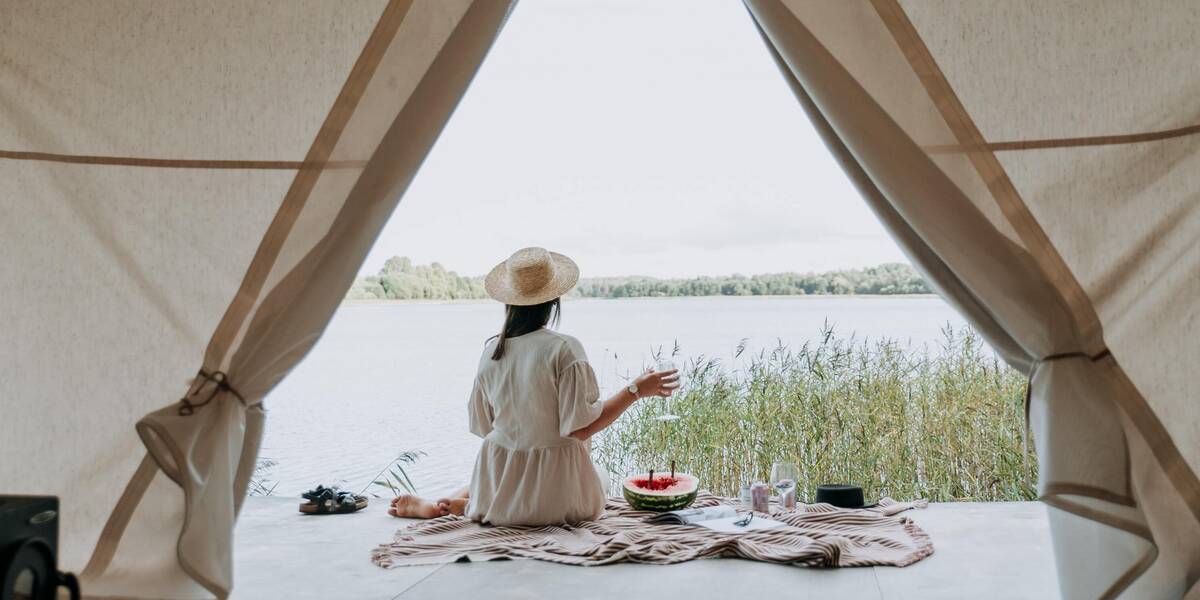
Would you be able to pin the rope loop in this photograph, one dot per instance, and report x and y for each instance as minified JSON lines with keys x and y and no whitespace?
{"x":220,"y":381}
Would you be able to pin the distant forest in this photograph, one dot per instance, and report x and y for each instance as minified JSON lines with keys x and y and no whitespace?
{"x":400,"y":279}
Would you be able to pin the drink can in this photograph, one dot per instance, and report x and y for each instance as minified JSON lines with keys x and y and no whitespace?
{"x":760,"y":494}
{"x":787,"y":500}
{"x":744,"y":496}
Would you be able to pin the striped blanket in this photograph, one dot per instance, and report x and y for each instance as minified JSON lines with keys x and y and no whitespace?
{"x":816,"y":535}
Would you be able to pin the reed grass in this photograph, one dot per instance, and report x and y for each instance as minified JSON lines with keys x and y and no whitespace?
{"x":943,"y":424}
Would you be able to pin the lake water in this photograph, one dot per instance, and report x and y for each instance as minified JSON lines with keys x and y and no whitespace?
{"x":390,"y":377}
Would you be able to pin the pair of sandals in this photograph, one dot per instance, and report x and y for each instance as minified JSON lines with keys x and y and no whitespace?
{"x":331,"y":501}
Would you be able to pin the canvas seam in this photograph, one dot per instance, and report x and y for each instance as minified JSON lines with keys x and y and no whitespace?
{"x":118,"y":520}
{"x":181,"y":163}
{"x":1074,"y":142}
{"x":996,"y":179}
{"x":298,"y":193}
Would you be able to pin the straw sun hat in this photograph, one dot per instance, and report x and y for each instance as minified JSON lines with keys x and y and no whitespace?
{"x":531,"y":276}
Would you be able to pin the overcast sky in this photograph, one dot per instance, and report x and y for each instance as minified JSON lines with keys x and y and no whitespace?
{"x":639,"y":138}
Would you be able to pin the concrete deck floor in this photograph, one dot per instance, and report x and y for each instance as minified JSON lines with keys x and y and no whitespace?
{"x":982,"y":550}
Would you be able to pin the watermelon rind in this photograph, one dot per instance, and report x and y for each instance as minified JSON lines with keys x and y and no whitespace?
{"x":658,"y":502}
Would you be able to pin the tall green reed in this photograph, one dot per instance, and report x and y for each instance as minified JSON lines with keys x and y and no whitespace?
{"x":943,"y":424}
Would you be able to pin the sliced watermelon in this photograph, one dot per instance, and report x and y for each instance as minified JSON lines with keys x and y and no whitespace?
{"x":661,"y":494}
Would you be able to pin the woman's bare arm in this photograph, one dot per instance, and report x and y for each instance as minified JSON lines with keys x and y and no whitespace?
{"x":660,"y":383}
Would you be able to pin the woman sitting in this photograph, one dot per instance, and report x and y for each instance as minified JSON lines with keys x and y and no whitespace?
{"x":536,"y":405}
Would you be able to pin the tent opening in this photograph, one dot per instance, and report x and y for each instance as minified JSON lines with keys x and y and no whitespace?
{"x":677,"y":170}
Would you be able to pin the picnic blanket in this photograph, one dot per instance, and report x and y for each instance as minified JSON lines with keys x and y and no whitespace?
{"x":815,"y":535}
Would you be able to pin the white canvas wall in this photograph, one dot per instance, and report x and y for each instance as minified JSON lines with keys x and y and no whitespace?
{"x":191,"y":187}
{"x":1039,"y":163}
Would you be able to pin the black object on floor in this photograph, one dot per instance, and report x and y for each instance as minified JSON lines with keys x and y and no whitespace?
{"x":842,"y":496}
{"x":29,"y":549}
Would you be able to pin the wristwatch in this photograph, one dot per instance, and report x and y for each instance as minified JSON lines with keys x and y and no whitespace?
{"x":633,"y":389}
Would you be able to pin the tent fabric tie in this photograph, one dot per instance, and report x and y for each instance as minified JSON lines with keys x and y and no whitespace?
{"x":1029,"y":395}
{"x":221,"y":383}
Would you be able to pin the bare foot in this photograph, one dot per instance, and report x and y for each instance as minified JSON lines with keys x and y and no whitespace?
{"x":414,"y":507}
{"x":453,"y":506}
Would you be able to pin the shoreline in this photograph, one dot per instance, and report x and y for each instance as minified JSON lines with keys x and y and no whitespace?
{"x":378,"y":302}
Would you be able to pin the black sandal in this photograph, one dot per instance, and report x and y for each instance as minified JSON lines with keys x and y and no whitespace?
{"x":331,"y":501}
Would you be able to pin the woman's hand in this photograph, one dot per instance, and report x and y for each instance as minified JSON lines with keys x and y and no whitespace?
{"x":657,"y":383}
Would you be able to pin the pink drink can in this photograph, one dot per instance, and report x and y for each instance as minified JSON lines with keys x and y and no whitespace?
{"x":787,"y":500}
{"x":760,"y":494}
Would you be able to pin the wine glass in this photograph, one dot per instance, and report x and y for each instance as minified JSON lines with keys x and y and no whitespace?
{"x":667,"y":416}
{"x":784,"y":475}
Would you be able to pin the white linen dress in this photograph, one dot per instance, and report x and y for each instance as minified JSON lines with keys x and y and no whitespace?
{"x":524,"y":406}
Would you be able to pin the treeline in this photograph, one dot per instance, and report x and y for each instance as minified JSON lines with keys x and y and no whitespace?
{"x":891,"y":278}
{"x":400,"y":279}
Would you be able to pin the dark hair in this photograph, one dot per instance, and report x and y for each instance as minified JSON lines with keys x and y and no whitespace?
{"x":520,"y":320}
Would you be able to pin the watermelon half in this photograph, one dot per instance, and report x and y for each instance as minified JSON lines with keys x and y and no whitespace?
{"x":661,"y":494}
